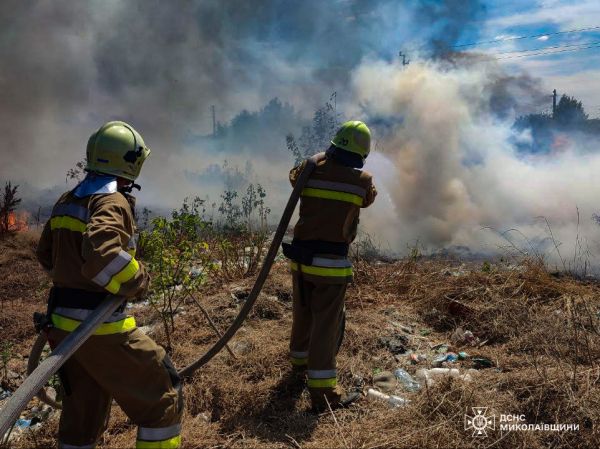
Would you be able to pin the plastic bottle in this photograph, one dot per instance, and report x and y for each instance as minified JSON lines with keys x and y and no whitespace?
{"x":406,"y":380}
{"x":393,"y":401}
{"x":429,"y":375}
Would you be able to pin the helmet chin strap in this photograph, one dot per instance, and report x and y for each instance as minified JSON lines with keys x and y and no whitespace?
{"x":130,"y":187}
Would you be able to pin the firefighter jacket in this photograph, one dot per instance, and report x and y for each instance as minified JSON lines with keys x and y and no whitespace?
{"x":89,"y":242}
{"x":330,"y":206}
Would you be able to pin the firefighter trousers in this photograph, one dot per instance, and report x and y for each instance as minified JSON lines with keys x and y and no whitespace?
{"x":317,"y":331}
{"x":131,"y":368}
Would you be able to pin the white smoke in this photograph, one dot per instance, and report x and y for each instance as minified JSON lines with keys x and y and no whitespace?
{"x":447,"y":168}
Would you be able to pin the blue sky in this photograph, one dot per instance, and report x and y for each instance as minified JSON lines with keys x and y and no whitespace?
{"x":574,"y":72}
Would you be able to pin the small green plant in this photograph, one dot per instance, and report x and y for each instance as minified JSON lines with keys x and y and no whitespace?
{"x":415,"y":253}
{"x":6,"y":355}
{"x":178,"y":258}
{"x":240,"y":236}
{"x":486,"y":267}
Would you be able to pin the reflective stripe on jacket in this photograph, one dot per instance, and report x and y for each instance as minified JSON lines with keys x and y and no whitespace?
{"x":329,"y":211}
{"x":331,"y":201}
{"x":87,"y":244}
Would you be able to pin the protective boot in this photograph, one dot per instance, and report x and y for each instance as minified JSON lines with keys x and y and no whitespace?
{"x":336,"y":398}
{"x":297,"y":380}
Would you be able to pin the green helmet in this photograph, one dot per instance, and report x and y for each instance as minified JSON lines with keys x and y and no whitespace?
{"x":354,"y":136}
{"x":116,"y":149}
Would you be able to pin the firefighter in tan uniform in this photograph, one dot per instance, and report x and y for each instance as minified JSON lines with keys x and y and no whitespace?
{"x":329,"y":210}
{"x":88,"y":247}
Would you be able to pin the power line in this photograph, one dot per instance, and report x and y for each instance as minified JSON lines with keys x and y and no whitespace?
{"x":550,"y":52}
{"x":578,"y":30}
{"x":543,"y":48}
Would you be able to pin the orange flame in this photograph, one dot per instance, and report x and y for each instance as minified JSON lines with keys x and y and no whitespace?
{"x":18,"y":221}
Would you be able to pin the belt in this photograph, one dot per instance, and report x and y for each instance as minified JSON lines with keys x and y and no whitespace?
{"x":323,"y":247}
{"x":76,"y":298}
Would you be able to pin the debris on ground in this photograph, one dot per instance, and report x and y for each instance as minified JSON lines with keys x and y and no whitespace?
{"x":406,"y":380}
{"x":430,"y":376}
{"x":385,"y":381}
{"x":461,"y":337}
{"x":236,"y":403}
{"x":393,"y":401}
{"x":397,"y":344}
{"x":417,"y":358}
{"x":482,"y":362}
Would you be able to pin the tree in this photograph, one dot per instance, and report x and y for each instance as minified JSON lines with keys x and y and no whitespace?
{"x":7,"y":207}
{"x":569,"y":116}
{"x":570,"y":111}
{"x":316,"y":137}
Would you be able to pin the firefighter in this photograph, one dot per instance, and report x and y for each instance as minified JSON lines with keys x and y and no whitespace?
{"x":88,"y":248}
{"x":329,"y":209}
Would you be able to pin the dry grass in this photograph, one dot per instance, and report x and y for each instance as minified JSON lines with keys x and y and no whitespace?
{"x":541,"y":332}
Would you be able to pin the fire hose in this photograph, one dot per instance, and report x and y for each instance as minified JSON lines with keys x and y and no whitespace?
{"x":40,"y":373}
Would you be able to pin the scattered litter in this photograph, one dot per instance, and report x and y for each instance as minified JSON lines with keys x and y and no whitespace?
{"x":463,"y":355}
{"x":448,"y":357}
{"x":417,"y":358}
{"x":429,"y":376}
{"x":437,"y":361}
{"x":393,"y":401}
{"x":23,"y":423}
{"x":4,"y":394}
{"x":358,"y":381}
{"x":451,"y":357}
{"x":482,"y":363}
{"x":442,"y":348}
{"x":396,"y":344}
{"x":461,"y":337}
{"x":406,"y":380}
{"x":385,"y":381}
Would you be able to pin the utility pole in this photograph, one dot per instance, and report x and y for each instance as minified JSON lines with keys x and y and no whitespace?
{"x":405,"y":61}
{"x":553,"y":103}
{"x":334,"y":97}
{"x":214,"y":121}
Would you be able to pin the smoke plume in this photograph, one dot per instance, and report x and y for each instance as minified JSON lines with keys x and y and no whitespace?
{"x":444,"y":161}
{"x":450,"y":175}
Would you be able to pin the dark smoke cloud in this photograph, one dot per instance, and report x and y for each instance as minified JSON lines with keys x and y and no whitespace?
{"x":68,"y":66}
{"x":448,"y":21}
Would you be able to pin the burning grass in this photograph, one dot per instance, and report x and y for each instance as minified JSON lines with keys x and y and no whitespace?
{"x":541,"y":332}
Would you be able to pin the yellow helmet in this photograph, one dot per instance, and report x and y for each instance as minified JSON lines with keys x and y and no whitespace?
{"x":354,"y":136}
{"x":116,"y":149}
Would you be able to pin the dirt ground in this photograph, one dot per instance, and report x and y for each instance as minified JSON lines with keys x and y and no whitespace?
{"x":541,"y":333}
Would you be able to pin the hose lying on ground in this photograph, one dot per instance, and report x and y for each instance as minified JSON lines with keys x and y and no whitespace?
{"x":39,"y":375}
